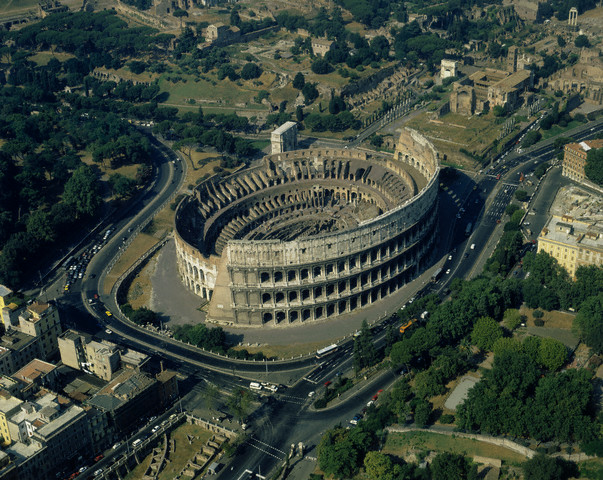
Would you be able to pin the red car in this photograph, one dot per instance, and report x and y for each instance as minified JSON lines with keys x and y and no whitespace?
{"x":327,"y":383}
{"x":99,"y":457}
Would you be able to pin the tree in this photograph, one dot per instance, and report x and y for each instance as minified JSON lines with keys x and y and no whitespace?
{"x":310,"y":92}
{"x":486,"y":332}
{"x":531,"y":138}
{"x":250,"y":70}
{"x":365,"y":354}
{"x":552,"y":354}
{"x":121,"y":185}
{"x":542,"y":467}
{"x":299,"y":81}
{"x":450,"y":466}
{"x":594,"y":166}
{"x":582,"y":41}
{"x":378,"y":466}
{"x":239,"y":403}
{"x":499,"y":111}
{"x":82,"y":192}
{"x":40,"y":226}
{"x":423,"y":411}
{"x":561,"y":41}
{"x":337,"y":454}
{"x":321,"y":67}
{"x":589,"y":323}
{"x":521,"y":195}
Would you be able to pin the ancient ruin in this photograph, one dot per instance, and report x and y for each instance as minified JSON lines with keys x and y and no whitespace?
{"x":309,"y":234}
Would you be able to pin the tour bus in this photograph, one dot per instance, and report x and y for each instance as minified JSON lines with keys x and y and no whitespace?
{"x":323,"y":352}
{"x":436,"y":275}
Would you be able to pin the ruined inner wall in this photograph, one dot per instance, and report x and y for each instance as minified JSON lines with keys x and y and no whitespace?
{"x":314,"y":275}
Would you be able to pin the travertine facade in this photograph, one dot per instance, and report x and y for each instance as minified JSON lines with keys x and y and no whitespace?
{"x":309,"y":234}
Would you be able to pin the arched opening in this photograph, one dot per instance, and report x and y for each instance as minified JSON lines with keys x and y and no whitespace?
{"x":291,"y":275}
{"x":266,"y":298}
{"x":292,"y":297}
{"x":279,"y":297}
{"x":305,"y":314}
{"x":280,"y":316}
{"x":264,"y":277}
{"x":267,"y":317}
{"x":278,"y":277}
{"x":293,"y":316}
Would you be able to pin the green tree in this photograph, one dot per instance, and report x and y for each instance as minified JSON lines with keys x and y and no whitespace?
{"x":423,"y":411}
{"x":310,"y":92}
{"x":589,"y":323}
{"x":450,"y":466}
{"x":378,"y":466}
{"x":499,"y":111}
{"x":429,"y":383}
{"x":82,"y":192}
{"x":299,"y":81}
{"x":239,"y":403}
{"x":582,"y":41}
{"x":561,"y":41}
{"x":594,"y":166}
{"x":542,"y":467}
{"x":365,"y":354}
{"x":121,"y":185}
{"x":250,"y":70}
{"x":486,"y":332}
{"x":552,"y":354}
{"x":337,"y":454}
{"x":40,"y":226}
{"x":512,"y":318}
{"x":521,"y":195}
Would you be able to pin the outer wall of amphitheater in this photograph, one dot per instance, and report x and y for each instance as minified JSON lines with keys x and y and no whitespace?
{"x":273,"y":282}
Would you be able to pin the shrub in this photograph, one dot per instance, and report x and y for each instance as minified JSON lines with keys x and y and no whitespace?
{"x":537,"y":314}
{"x":320,"y":403}
{"x":447,"y":419}
{"x":538,"y":322}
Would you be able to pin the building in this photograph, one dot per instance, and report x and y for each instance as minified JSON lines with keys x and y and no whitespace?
{"x":102,"y":359}
{"x":220,"y":34}
{"x":463,"y":100}
{"x":35,"y":376}
{"x":574,"y":158}
{"x":584,"y":77}
{"x":41,"y":320}
{"x":5,"y":294}
{"x":17,"y":349}
{"x":310,"y":234}
{"x":128,"y":397}
{"x":44,"y":432}
{"x":573,"y":243}
{"x":284,"y":138}
{"x":321,"y":46}
{"x":448,"y":68}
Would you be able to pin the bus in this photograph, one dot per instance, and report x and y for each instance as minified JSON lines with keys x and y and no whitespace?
{"x":323,"y":352}
{"x":436,"y":275}
{"x":407,"y":325}
{"x":468,"y":229}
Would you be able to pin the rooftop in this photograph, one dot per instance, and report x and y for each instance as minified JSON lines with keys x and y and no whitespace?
{"x":7,"y":403}
{"x":284,"y":127}
{"x":39,"y":308}
{"x":585,"y":146}
{"x":5,"y":291}
{"x":33,"y":370}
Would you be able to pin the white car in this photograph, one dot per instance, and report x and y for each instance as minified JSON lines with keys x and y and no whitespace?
{"x":448,"y":272}
{"x":311,"y":394}
{"x":108,"y":331}
{"x":473,"y":246}
{"x":449,"y":257}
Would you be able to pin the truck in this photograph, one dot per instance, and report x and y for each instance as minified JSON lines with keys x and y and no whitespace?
{"x":255,"y":386}
{"x":436,"y":275}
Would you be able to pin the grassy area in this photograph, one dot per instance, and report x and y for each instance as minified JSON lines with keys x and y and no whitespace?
{"x":553,"y":319}
{"x":183,"y":452}
{"x":17,"y":6}
{"x":139,"y":245}
{"x":403,"y":444}
{"x":42,"y":58}
{"x":452,"y":132}
{"x":557,"y":130}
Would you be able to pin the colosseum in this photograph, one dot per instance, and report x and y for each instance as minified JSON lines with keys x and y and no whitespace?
{"x":309,"y":234}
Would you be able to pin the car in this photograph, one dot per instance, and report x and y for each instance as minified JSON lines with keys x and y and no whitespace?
{"x":411,"y":300}
{"x":155,"y":428}
{"x":327,"y":383}
{"x":83,"y":469}
{"x":117,"y":445}
{"x":67,"y":287}
{"x":472,"y":246}
{"x":108,"y":331}
{"x":99,"y":457}
{"x":370,"y":402}
{"x":448,"y":272}
{"x":449,"y":257}
{"x":108,"y":313}
{"x":152,"y":418}
{"x":98,"y":472}
{"x":357,"y":417}
{"x":311,"y":394}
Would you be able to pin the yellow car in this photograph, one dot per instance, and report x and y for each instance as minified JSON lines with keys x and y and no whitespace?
{"x":108,"y":313}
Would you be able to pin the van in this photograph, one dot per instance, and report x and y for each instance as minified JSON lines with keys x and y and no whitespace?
{"x":136,"y":442}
